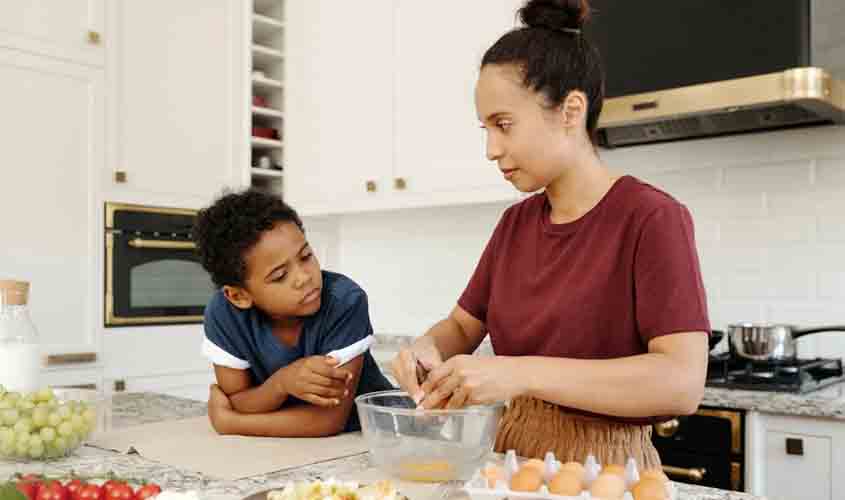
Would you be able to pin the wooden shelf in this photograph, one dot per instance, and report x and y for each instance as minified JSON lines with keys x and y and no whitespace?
{"x":264,"y":27}
{"x":262,"y":55}
{"x":268,"y":112}
{"x":261,"y":142}
{"x":266,"y":82}
{"x":266,"y":173}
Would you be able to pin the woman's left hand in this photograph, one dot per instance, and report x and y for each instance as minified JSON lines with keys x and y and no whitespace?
{"x":467,"y":380}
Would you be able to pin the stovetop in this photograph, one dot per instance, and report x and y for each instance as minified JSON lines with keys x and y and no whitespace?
{"x":798,"y":376}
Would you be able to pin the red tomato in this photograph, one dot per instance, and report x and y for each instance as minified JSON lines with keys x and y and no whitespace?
{"x":29,"y":488}
{"x":73,"y":486}
{"x":119,"y":491}
{"x":90,"y":492}
{"x":147,"y":491}
{"x":52,"y":491}
{"x":110,"y":485}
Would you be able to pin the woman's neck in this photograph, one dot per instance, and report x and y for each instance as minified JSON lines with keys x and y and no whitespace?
{"x":578,"y":189}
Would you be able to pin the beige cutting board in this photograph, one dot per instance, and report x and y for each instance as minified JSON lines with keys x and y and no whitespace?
{"x":192,"y":444}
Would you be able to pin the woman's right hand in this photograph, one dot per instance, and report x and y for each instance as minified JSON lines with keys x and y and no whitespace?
{"x":413,"y":363}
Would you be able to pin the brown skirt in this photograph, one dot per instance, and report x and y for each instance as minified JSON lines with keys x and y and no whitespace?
{"x":533,"y":427}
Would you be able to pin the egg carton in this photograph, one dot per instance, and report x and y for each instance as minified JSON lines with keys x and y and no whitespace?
{"x":478,"y":489}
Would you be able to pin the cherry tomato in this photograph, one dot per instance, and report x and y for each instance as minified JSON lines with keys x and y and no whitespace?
{"x":29,"y":488}
{"x":110,"y":485}
{"x":90,"y":492}
{"x":147,"y":491}
{"x":73,"y":486}
{"x":119,"y":491}
{"x":52,"y":491}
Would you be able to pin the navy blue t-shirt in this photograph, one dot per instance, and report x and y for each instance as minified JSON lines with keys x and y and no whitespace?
{"x":244,"y":340}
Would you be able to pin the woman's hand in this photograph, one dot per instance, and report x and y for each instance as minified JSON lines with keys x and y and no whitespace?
{"x":469,"y":380}
{"x":412,"y":365}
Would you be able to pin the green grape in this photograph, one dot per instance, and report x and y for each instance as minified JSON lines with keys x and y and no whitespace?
{"x":25,"y":405}
{"x":10,"y":417}
{"x":48,"y":434}
{"x":77,"y":422}
{"x":2,"y":390}
{"x":51,"y":451}
{"x":36,"y":450}
{"x":5,"y":405}
{"x":39,"y":417}
{"x":6,"y":432}
{"x":60,"y":444}
{"x":7,"y":448}
{"x":54,"y":419}
{"x":73,"y":441}
{"x":65,"y":412}
{"x":23,"y":425}
{"x":90,"y":416}
{"x":22,"y":437}
{"x":35,"y":439}
{"x":21,"y":449}
{"x":46,"y":395}
{"x":86,"y":430}
{"x":65,"y":429}
{"x":13,"y":397}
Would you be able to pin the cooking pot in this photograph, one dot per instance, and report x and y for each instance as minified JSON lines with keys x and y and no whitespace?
{"x":770,"y":342}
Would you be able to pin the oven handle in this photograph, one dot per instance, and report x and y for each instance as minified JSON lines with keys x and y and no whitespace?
{"x":696,"y":475}
{"x":162,"y":244}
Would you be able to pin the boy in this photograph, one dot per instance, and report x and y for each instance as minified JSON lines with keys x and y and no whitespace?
{"x":273,"y":320}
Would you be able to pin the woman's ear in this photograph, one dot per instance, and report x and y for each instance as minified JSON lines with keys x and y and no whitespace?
{"x":575,"y":109}
{"x":238,"y":296}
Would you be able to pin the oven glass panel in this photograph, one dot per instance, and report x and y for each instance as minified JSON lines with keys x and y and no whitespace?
{"x":169,"y":283}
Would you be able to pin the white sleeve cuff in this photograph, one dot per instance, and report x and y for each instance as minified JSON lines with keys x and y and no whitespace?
{"x":220,"y":357}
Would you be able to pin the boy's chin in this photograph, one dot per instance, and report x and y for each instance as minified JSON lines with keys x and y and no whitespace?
{"x":310,"y":308}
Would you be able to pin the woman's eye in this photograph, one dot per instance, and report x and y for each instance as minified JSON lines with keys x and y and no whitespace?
{"x":307,"y":256}
{"x":503,"y":125}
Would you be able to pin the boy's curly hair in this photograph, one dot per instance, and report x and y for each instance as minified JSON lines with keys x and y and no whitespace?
{"x":232,"y":225}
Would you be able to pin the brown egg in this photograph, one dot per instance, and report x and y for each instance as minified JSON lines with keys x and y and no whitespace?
{"x":493,"y":474}
{"x":654,"y":474}
{"x":616,"y":469}
{"x":608,"y":487}
{"x":536,"y":463}
{"x":573,"y":467}
{"x":526,"y":479}
{"x":649,"y":489}
{"x":566,"y":483}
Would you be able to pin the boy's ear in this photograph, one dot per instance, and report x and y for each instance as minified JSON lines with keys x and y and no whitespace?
{"x":238,"y":296}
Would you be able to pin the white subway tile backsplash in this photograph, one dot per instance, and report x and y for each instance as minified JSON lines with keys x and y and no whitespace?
{"x":787,"y":176}
{"x":680,"y":183}
{"x":724,"y":313}
{"x":831,"y":285}
{"x":744,"y":285}
{"x":767,"y":231}
{"x":719,"y":205}
{"x":832,"y":228}
{"x":729,"y":259}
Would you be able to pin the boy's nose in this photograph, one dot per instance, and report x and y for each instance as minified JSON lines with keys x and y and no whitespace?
{"x":302,"y":278}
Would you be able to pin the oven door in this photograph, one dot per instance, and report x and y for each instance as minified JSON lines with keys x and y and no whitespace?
{"x":154,"y":277}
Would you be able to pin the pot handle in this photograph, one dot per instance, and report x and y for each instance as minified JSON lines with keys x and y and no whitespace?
{"x":807,"y":331}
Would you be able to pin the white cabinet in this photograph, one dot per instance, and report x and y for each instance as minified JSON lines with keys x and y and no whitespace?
{"x":190,"y":385}
{"x":70,"y":30}
{"x":176,"y":122}
{"x":338,"y":104}
{"x":795,"y":457}
{"x":53,"y":146}
{"x":440,"y":146}
{"x":380,"y":111}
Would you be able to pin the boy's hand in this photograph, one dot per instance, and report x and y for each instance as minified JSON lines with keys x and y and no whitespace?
{"x":317,"y":380}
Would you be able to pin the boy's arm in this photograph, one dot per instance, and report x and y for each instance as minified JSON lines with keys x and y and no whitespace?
{"x":237,"y":385}
{"x":305,"y":420}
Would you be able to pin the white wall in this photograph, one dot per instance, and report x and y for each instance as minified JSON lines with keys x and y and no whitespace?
{"x":770,"y":224}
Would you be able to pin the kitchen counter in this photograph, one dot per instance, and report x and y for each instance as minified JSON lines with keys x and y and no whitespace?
{"x":140,"y":408}
{"x":824,"y":403}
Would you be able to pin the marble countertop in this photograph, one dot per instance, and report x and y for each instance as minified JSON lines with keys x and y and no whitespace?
{"x":139,"y":408}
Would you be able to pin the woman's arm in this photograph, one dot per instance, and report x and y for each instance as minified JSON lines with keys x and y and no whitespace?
{"x":305,"y":420}
{"x":459,"y":333}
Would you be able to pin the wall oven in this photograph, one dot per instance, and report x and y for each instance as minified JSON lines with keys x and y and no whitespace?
{"x":706,"y":448}
{"x":153,"y":273}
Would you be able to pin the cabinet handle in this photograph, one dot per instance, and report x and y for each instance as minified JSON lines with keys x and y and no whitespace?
{"x":667,"y":429}
{"x":71,"y":359}
{"x":119,"y":386}
{"x":94,"y":37}
{"x":695,"y":475}
{"x":120,"y":177}
{"x":92,"y":387}
{"x":400,"y":183}
{"x":795,"y":446}
{"x":371,"y":186}
{"x":162,"y":244}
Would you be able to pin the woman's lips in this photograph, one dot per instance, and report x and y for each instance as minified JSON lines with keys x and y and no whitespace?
{"x":508,"y":172}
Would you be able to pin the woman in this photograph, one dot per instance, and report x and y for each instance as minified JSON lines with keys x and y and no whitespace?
{"x":591,"y":290}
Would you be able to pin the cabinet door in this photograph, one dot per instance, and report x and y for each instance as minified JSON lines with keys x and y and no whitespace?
{"x":53,"y":137}
{"x":338,"y":104}
{"x":66,"y":29}
{"x":173,"y":67}
{"x":440,"y":145}
{"x":798,"y":466}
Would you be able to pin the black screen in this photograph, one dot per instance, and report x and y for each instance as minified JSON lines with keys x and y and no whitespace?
{"x":659,"y":44}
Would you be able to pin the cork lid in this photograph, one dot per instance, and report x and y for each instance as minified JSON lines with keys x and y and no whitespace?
{"x":13,"y":292}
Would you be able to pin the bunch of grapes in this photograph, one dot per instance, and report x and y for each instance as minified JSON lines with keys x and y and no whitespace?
{"x":38,"y":426}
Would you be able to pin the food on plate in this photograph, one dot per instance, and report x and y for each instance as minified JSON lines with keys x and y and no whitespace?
{"x":430,"y":471}
{"x":608,"y":487}
{"x":336,"y":490}
{"x":37,"y":487}
{"x":649,"y":488}
{"x":527,"y":479}
{"x":566,"y":483}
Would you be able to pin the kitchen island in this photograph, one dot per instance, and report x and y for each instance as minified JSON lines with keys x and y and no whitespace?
{"x":139,"y":408}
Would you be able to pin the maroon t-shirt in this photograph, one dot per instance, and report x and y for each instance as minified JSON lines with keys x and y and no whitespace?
{"x":600,"y":287}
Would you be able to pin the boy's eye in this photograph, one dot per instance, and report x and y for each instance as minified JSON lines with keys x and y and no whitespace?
{"x":280,"y":277}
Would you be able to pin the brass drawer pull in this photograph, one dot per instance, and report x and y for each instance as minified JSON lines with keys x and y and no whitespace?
{"x":71,"y":359}
{"x":162,"y":244}
{"x":696,"y":475}
{"x":400,"y":183}
{"x":371,"y":186}
{"x":93,"y":38}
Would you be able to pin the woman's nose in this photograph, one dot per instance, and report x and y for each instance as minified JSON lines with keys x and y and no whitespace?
{"x":494,"y":149}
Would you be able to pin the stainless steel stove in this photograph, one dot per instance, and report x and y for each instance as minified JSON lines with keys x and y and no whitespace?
{"x":799,"y":376}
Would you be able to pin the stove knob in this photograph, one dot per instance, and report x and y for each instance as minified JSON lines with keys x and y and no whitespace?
{"x":667,"y":429}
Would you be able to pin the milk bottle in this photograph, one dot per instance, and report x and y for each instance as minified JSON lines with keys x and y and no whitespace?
{"x":20,"y":360}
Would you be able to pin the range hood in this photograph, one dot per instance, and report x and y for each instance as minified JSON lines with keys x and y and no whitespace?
{"x":800,"y":96}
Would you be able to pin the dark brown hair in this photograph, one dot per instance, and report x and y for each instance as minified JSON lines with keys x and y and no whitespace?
{"x":553,"y":54}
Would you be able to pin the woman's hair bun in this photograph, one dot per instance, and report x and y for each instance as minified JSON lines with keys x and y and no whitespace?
{"x":560,"y":15}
